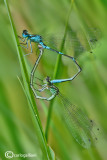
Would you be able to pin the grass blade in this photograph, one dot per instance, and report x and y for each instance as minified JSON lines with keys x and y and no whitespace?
{"x":58,"y":63}
{"x":30,"y":97}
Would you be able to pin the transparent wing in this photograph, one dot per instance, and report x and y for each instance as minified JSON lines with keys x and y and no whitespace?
{"x":80,"y":126}
{"x":76,"y":42}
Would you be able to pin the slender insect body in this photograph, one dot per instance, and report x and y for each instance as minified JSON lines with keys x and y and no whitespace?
{"x":38,"y":39}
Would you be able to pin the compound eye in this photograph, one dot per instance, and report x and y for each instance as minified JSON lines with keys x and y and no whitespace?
{"x":25,"y":31}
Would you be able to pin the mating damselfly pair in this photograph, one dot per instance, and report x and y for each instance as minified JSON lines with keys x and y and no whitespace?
{"x":80,"y":125}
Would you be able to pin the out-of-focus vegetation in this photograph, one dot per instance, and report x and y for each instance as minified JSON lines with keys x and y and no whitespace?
{"x":20,"y":131}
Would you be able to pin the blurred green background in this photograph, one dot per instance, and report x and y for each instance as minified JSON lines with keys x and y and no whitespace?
{"x":88,"y":90}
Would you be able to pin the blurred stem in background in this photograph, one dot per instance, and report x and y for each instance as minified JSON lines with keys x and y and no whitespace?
{"x":58,"y":63}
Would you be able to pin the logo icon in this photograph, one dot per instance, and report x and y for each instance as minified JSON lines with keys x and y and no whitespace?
{"x":9,"y":154}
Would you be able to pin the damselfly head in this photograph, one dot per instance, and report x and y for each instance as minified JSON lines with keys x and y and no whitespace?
{"x":25,"y":33}
{"x":47,"y":80}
